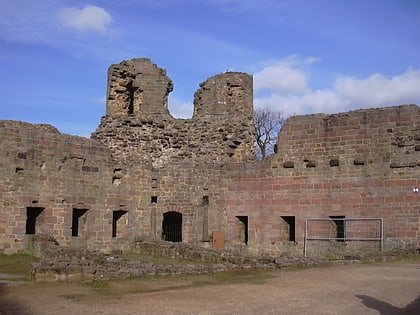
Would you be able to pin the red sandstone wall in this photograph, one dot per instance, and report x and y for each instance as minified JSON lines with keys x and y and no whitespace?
{"x":265,"y":199}
{"x":357,"y":164}
{"x":389,"y":135}
{"x":42,"y":168}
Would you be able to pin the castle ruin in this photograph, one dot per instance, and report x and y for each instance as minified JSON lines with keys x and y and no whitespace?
{"x":146,"y":175}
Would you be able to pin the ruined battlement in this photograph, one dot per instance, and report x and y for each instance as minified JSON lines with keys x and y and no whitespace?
{"x":384,"y":138}
{"x":138,"y":127}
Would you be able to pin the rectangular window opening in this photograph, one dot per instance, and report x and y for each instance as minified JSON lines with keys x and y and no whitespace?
{"x":153,"y":199}
{"x":205,"y":200}
{"x":290,"y":228}
{"x":32,"y":213}
{"x":78,"y":221}
{"x":340,"y":227}
{"x":118,"y":224}
{"x":243,"y":228}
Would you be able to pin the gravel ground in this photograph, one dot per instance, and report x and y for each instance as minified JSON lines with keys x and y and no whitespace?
{"x":385,"y":288}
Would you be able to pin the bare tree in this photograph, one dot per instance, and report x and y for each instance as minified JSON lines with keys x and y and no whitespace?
{"x":267,"y":123}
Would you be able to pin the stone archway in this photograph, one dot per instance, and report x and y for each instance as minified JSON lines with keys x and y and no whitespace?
{"x":172,"y":226}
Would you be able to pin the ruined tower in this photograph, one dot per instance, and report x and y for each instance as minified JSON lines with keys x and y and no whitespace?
{"x":139,"y":128}
{"x":228,"y":94}
{"x":137,"y":87}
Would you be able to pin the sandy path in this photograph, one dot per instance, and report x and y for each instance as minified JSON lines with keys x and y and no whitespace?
{"x":391,"y":288}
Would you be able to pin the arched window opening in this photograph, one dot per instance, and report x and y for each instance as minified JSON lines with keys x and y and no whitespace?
{"x":172,"y":226}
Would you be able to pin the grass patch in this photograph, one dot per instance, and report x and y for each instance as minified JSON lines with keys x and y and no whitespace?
{"x":17,"y":264}
{"x":97,"y":285}
{"x":148,"y":284}
{"x":242,"y":276}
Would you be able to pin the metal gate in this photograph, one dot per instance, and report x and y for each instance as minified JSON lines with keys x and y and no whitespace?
{"x":338,"y":236}
{"x":172,"y":226}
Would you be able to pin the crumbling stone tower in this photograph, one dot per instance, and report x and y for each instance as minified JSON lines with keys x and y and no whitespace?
{"x":228,"y":94}
{"x":137,"y":86}
{"x":139,"y":128}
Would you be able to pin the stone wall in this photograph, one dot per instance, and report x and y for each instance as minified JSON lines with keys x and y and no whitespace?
{"x":139,"y":128}
{"x":145,"y":175}
{"x":362,"y":139}
{"x":360,"y":164}
{"x":47,"y":177}
{"x":70,"y":264}
{"x":69,"y":188}
{"x":137,"y":86}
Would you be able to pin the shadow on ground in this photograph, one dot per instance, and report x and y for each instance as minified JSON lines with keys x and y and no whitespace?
{"x":9,"y":305}
{"x":385,"y":308}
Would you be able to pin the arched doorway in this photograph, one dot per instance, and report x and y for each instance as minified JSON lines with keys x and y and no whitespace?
{"x":172,"y":226}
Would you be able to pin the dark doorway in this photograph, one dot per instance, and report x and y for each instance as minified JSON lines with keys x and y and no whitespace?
{"x":290,"y":227}
{"x":172,"y":226}
{"x":116,"y":227}
{"x":340,"y":227}
{"x":32,"y":213}
{"x":243,"y":228}
{"x":78,"y":221}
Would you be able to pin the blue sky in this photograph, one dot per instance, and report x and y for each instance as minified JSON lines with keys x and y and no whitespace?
{"x":306,"y":56}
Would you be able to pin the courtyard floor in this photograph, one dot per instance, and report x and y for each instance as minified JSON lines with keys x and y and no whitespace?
{"x":380,"y":288}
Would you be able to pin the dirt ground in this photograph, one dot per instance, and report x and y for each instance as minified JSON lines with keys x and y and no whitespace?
{"x":385,"y":288}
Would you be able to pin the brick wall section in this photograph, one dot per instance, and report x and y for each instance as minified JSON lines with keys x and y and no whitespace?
{"x":41,"y":168}
{"x":265,"y":200}
{"x":358,"y":164}
{"x":370,"y":137}
{"x":44,"y":169}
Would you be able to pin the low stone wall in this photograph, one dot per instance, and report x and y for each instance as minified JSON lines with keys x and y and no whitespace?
{"x":184,"y":251}
{"x":67,"y":264}
{"x":94,"y":266}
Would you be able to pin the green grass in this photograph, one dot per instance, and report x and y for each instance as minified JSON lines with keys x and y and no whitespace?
{"x":97,"y":285}
{"x":118,"y":288}
{"x":17,"y":264}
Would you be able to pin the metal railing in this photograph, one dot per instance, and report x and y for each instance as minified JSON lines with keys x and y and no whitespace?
{"x":172,"y":232}
{"x":336,"y":233}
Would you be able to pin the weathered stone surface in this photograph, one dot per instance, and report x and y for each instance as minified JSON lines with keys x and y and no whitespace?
{"x":61,"y":264}
{"x":139,"y":128}
{"x":137,"y":86}
{"x":145,"y":175}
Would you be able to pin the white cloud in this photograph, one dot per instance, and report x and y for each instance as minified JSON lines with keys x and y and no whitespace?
{"x":345,"y":93}
{"x":42,"y":22}
{"x":284,"y":76}
{"x":180,"y":110}
{"x":90,"y":18}
{"x":378,"y":89}
{"x":280,"y":78}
